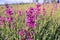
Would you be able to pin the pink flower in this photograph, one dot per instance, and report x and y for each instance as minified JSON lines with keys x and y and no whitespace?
{"x":8,"y":12}
{"x":2,"y":20}
{"x":9,"y":19}
{"x":25,"y":33}
{"x":20,"y":32}
{"x":38,"y":5}
{"x":12,"y":26}
{"x":30,"y":17}
{"x":19,"y":12}
{"x":22,"y":39}
{"x":37,"y":9}
{"x":44,"y":11}
{"x":55,"y":6}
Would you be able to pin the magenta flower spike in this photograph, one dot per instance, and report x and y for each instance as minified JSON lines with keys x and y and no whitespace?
{"x":30,"y":17}
{"x":37,"y":9}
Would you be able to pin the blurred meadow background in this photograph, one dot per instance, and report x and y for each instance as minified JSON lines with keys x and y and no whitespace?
{"x":29,"y":19}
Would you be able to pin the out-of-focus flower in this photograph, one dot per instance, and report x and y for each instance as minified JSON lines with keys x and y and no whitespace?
{"x":22,"y":39}
{"x":37,"y":9}
{"x":55,"y":6}
{"x":25,"y":34}
{"x":8,"y":12}
{"x":2,"y":20}
{"x":31,"y":10}
{"x":30,"y":17}
{"x":38,"y":5}
{"x":20,"y":32}
{"x":29,"y":38}
{"x":9,"y":19}
{"x":11,"y":26}
{"x":44,"y":11}
{"x":19,"y":13}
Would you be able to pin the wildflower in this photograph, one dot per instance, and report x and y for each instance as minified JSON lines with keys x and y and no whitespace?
{"x":8,"y":12}
{"x":55,"y":6}
{"x":9,"y":19}
{"x":20,"y":32}
{"x":37,"y":9}
{"x":12,"y":26}
{"x":30,"y":18}
{"x":29,"y":38}
{"x":44,"y":11}
{"x":31,"y":10}
{"x":2,"y":20}
{"x":25,"y":34}
{"x":38,"y":5}
{"x":19,"y":13}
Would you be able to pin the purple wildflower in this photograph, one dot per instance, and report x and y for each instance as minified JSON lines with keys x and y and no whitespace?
{"x":8,"y":12}
{"x":20,"y":32}
{"x":38,"y":5}
{"x":25,"y":34}
{"x":30,"y":17}
{"x":37,"y":9}
{"x":9,"y":19}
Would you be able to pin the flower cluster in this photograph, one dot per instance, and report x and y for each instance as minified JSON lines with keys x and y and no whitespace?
{"x":8,"y":11}
{"x":37,"y":9}
{"x":26,"y":34}
{"x":30,"y":17}
{"x":9,"y":17}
